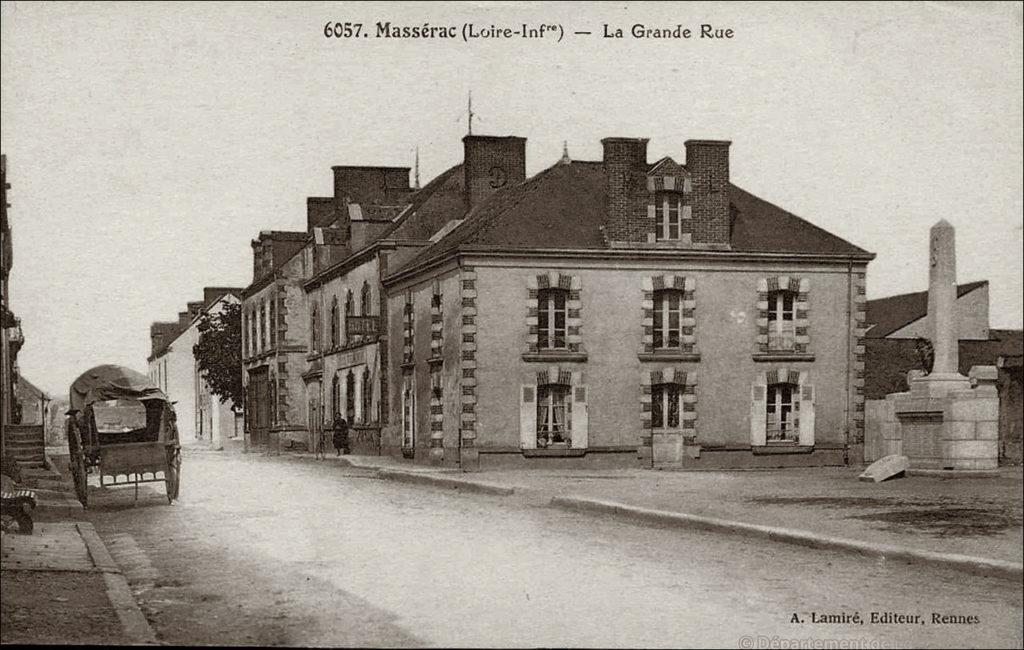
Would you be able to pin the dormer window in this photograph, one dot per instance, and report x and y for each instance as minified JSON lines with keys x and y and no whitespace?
{"x":668,"y":215}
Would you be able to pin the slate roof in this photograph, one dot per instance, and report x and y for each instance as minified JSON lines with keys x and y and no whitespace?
{"x":896,"y":312}
{"x":563,"y":207}
{"x":887,"y":361}
{"x":431,"y":207}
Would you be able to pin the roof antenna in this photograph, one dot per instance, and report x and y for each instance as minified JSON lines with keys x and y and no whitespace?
{"x":470,"y":112}
{"x":417,"y":176}
{"x":565,"y":153}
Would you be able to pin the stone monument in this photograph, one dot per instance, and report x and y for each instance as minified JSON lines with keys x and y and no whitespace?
{"x":946,"y":422}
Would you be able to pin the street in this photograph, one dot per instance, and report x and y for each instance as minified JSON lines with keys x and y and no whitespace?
{"x":281,"y":551}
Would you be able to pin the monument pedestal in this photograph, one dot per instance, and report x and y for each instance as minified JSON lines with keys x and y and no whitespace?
{"x":944,"y":424}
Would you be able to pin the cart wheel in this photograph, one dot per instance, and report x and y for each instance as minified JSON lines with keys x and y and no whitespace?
{"x":77,"y":461}
{"x":173,"y":479}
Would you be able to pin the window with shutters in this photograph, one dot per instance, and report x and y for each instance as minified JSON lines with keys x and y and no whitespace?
{"x":246,"y":340}
{"x":668,"y":211}
{"x":252,"y":332}
{"x":262,"y":326}
{"x":554,"y":415}
{"x":335,"y":323}
{"x":781,"y":320}
{"x":408,"y":413}
{"x":780,"y":416}
{"x":551,"y":319}
{"x":782,"y":409}
{"x":272,"y":320}
{"x":349,"y":308}
{"x":314,"y":330}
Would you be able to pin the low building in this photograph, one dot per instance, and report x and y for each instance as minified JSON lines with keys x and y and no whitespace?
{"x":201,"y":416}
{"x":626,"y":313}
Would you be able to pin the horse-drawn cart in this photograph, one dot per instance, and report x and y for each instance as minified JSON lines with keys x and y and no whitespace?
{"x":122,"y":427}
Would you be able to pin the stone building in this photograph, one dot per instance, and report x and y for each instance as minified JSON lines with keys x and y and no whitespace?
{"x":349,"y":355}
{"x":624,"y":313}
{"x":283,"y":328}
{"x":201,"y":416}
{"x":11,"y":338}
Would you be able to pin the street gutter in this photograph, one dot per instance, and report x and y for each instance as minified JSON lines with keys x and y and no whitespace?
{"x":966,"y":563}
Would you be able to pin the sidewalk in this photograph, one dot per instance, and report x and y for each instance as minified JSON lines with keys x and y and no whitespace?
{"x":60,"y":585}
{"x":978,"y":518}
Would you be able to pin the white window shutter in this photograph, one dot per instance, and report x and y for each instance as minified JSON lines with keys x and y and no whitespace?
{"x":806,"y":415}
{"x":528,"y":416}
{"x":758,"y":415}
{"x":580,"y":417}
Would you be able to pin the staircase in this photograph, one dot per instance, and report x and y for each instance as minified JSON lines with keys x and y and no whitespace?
{"x":26,"y":445}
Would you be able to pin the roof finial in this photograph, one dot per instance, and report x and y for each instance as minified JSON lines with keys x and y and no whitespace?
{"x":470,"y":107}
{"x":416,"y":178}
{"x":565,"y":153}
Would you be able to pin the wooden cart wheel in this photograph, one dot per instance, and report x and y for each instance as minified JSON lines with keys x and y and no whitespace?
{"x":173,"y":478}
{"x":77,"y":461}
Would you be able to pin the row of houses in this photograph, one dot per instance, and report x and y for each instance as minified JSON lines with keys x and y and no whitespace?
{"x":618,"y":312}
{"x":201,"y":415}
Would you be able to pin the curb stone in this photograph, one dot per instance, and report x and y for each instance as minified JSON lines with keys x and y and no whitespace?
{"x":966,"y":563}
{"x":133,"y":621}
{"x":423,"y":478}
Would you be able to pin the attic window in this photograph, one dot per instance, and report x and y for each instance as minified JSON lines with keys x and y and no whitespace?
{"x":668,"y":212}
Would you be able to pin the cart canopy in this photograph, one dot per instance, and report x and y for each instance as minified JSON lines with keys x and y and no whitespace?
{"x":107,"y":382}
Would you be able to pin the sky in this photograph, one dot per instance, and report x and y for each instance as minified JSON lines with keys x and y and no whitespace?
{"x":147,"y":144}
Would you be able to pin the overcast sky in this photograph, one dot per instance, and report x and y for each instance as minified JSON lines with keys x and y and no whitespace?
{"x":147,"y":144}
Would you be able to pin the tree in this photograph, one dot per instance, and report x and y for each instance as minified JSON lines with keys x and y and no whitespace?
{"x":219,"y":353}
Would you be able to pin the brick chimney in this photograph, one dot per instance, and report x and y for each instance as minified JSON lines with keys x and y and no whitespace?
{"x":708,"y":164}
{"x":625,"y":168}
{"x":319,"y":212}
{"x":370,"y":185}
{"x":491,"y":163}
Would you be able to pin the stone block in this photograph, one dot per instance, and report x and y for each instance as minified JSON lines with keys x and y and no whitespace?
{"x":986,"y":430}
{"x":977,"y":464}
{"x":885,"y":468}
{"x":960,"y":431}
{"x":983,"y":373}
{"x":954,"y":450}
{"x":667,"y":449}
{"x":892,"y":447}
{"x":978,"y":409}
{"x":890,"y":431}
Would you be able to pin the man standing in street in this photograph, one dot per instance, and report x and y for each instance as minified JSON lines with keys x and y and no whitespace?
{"x":340,"y":438}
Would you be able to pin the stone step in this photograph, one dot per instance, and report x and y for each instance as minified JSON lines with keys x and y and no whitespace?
{"x":21,"y":442}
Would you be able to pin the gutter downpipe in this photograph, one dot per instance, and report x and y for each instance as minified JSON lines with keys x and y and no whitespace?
{"x":849,"y":356}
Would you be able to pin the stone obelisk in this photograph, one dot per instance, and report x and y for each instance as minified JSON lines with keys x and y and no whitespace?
{"x":945,"y":375}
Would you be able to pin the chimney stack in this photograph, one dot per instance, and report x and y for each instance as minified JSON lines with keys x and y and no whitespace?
{"x":491,"y":163}
{"x":625,"y":168}
{"x":370,"y":185}
{"x":319,"y":212}
{"x":708,"y":164}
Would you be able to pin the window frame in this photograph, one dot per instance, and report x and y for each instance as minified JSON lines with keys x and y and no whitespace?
{"x":662,"y":397}
{"x":668,"y":214}
{"x":781,"y":415}
{"x":664,"y":312}
{"x":546,"y":424}
{"x":548,"y":312}
{"x":781,"y":320}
